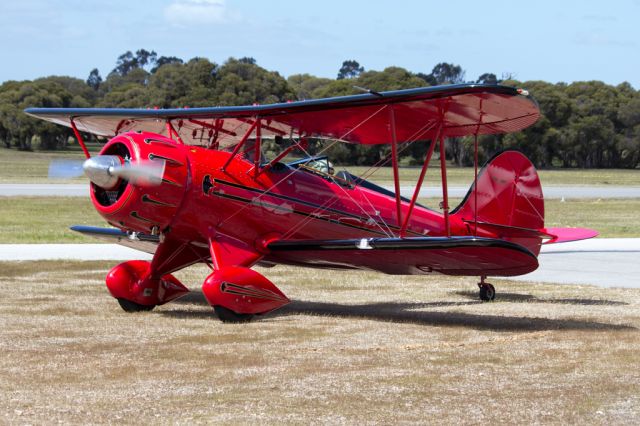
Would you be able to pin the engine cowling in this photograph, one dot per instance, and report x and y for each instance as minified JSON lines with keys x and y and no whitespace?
{"x":143,"y":208}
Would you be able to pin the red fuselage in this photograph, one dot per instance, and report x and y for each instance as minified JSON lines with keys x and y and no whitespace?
{"x":198,"y":199}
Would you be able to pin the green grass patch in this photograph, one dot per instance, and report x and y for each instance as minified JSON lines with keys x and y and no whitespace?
{"x":613,"y":218}
{"x":46,"y":219}
{"x":33,"y":167}
{"x":463,"y":176}
{"x":618,"y":218}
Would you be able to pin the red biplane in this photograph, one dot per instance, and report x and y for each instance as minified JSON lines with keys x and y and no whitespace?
{"x":192,"y":185}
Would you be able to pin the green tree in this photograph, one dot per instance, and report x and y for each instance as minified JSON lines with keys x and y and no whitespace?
{"x":94,"y":80}
{"x":304,"y":85}
{"x":350,"y":69}
{"x":165,"y":60}
{"x":445,"y":73}
{"x":391,"y":78}
{"x":582,"y":124}
{"x":242,"y":83}
{"x":487,"y":78}
{"x":128,"y":62}
{"x":21,"y":130}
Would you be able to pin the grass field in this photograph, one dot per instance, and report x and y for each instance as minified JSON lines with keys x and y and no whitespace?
{"x":47,"y":219}
{"x":464,"y":176}
{"x":32,"y":167}
{"x":358,"y":349}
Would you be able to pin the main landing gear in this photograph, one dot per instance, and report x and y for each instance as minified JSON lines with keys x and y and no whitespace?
{"x":129,"y":306}
{"x":237,"y":294}
{"x":138,"y":290}
{"x":487,"y":291}
{"x":229,"y":316}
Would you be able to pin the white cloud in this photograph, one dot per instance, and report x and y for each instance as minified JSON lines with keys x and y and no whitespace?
{"x":597,"y":38}
{"x":190,"y":12}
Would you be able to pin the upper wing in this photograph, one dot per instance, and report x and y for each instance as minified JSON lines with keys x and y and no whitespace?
{"x":410,"y":256}
{"x":464,"y":109}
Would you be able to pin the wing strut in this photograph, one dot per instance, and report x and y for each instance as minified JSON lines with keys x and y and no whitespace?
{"x":257,"y":151}
{"x":394,"y":160}
{"x":173,"y":134}
{"x":475,"y":185}
{"x":423,"y":172}
{"x":283,"y":154}
{"x":240,"y":144}
{"x":445,"y":194}
{"x":475,"y":172}
{"x":79,"y":138}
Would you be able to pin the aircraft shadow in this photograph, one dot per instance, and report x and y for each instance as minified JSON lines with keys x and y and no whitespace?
{"x":528,"y":298}
{"x":408,"y":313}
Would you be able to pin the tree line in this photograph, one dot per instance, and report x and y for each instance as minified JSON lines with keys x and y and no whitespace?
{"x":584,"y":124}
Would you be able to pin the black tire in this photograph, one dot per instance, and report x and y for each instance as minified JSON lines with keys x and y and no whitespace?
{"x":228,"y":316}
{"x":487,"y":292}
{"x":129,"y":306}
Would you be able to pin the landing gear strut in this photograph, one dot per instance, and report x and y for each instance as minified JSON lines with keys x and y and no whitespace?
{"x":487,"y":291}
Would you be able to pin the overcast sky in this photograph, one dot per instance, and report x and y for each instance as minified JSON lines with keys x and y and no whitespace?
{"x":534,"y":40}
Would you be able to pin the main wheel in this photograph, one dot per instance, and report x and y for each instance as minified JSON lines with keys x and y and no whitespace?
{"x":227,"y":315}
{"x":129,"y":306}
{"x":487,"y":292}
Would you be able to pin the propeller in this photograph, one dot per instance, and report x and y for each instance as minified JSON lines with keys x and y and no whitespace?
{"x":106,"y":170}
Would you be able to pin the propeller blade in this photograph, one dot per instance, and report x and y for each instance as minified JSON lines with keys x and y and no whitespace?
{"x":65,"y":169}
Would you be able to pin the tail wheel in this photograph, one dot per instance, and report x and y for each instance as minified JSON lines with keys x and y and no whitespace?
{"x":227,"y":315}
{"x":487,"y":292}
{"x":129,"y":306}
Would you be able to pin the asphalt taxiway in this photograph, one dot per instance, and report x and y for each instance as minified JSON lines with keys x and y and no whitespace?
{"x":604,"y":262}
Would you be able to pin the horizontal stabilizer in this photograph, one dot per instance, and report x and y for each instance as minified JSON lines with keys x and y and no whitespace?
{"x":409,"y":256}
{"x":565,"y":235}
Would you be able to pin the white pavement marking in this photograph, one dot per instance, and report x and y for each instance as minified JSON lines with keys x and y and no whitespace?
{"x":550,"y":192}
{"x":605,"y":262}
{"x":44,"y":190}
{"x":19,"y":252}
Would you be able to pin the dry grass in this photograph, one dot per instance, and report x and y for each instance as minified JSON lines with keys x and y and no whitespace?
{"x":352,"y":348}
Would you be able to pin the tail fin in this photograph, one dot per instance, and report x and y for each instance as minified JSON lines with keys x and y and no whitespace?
{"x":510,"y":205}
{"x":509,"y":199}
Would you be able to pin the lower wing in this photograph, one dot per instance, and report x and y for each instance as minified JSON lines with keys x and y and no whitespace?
{"x":409,"y":256}
{"x":401,"y":256}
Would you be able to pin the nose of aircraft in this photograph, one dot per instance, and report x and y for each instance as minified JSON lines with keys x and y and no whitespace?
{"x":106,"y":170}
{"x":99,"y":170}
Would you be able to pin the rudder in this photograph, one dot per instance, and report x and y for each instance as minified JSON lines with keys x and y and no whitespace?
{"x":509,"y":198}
